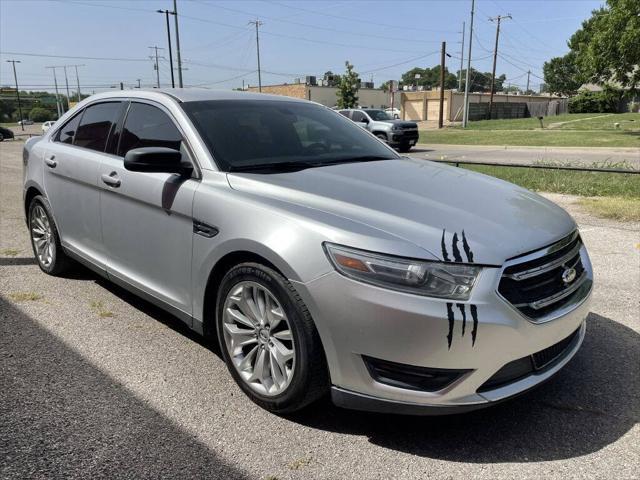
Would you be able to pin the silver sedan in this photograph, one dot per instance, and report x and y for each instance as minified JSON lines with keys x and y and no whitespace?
{"x":319,"y":259}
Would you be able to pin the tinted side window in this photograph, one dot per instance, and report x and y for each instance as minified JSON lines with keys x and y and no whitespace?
{"x":357,"y":116}
{"x":344,"y":113}
{"x":148,"y":126}
{"x":96,"y":124}
{"x":66,"y":133}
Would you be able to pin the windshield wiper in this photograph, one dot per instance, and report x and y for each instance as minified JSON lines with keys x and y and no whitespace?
{"x":286,"y":166}
{"x":273,"y":166}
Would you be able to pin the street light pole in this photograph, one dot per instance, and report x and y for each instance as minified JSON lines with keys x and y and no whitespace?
{"x":465,"y":115}
{"x":258,"y":23}
{"x":495,"y":57}
{"x":167,"y":13}
{"x":77,"y":80}
{"x":66,"y":81}
{"x":175,"y":17}
{"x":55,"y":82}
{"x":15,"y":77}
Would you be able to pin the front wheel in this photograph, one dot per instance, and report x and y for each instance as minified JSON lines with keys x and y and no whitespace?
{"x":382,"y":137}
{"x":268,"y":339}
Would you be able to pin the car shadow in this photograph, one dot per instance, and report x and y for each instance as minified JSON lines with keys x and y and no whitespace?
{"x":587,"y":406}
{"x":64,"y":418}
{"x":590,"y":404}
{"x":17,"y":261}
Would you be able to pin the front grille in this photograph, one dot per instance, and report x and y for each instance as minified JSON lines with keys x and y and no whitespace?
{"x":525,"y":366}
{"x":536,"y":286}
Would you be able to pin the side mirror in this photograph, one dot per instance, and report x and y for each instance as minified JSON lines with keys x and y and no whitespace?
{"x":365,"y":120}
{"x":156,"y":159}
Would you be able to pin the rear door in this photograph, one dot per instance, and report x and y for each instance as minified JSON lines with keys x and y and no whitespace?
{"x":72,"y":164}
{"x":146,"y":217}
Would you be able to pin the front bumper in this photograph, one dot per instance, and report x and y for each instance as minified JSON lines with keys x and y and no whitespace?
{"x":401,"y":137}
{"x":356,"y":321}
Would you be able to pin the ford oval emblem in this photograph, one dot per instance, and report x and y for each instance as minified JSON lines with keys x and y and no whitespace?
{"x":569,"y":275}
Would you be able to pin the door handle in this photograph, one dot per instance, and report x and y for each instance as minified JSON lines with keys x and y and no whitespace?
{"x":112,"y":180}
{"x":50,"y":161}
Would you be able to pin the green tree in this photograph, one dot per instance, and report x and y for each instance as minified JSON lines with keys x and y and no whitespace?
{"x":429,"y":78}
{"x":348,"y":88}
{"x":39,"y":114}
{"x":331,"y":79}
{"x":562,"y":76}
{"x":607,"y":47}
{"x":481,"y":82}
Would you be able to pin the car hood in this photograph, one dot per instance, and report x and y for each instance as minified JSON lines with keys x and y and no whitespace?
{"x":425,"y":203}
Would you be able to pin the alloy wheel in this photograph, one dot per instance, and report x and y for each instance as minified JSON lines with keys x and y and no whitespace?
{"x":42,"y":236}
{"x":258,"y":338}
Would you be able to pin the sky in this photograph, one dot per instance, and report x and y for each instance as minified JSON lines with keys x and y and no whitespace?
{"x":383,"y":39}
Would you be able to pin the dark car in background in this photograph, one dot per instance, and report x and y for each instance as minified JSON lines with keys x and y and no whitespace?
{"x":5,"y":133}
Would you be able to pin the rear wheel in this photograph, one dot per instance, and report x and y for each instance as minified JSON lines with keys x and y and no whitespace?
{"x":45,"y":239}
{"x":268,"y":339}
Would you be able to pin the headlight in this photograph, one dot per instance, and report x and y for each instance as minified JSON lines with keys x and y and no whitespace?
{"x":452,"y":281}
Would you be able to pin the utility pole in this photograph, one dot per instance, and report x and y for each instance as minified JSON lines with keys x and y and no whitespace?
{"x":15,"y":77}
{"x":461,"y":60}
{"x":441,"y":107}
{"x":528,"y":76}
{"x":495,"y":57}
{"x":167,"y":13}
{"x":258,"y":23}
{"x":77,"y":80}
{"x":175,"y":17}
{"x":156,"y":67}
{"x":465,"y":114}
{"x":66,"y":81}
{"x":55,"y":82}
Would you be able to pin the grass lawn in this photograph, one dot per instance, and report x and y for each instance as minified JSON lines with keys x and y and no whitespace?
{"x":608,"y":195}
{"x":583,"y":131}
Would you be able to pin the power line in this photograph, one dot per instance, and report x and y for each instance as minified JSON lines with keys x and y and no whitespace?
{"x":114,"y":59}
{"x":328,"y":29}
{"x":358,"y":20}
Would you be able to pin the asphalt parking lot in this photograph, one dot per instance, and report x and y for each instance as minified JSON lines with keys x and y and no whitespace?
{"x":95,"y":383}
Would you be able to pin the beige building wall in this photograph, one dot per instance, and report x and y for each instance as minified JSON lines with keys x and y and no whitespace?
{"x":367,"y":97}
{"x":453,"y":103}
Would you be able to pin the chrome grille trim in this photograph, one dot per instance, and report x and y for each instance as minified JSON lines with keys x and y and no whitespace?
{"x":547,"y":267}
{"x":545,"y":302}
{"x":568,"y":299}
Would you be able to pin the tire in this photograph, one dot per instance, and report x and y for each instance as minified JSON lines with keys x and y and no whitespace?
{"x":382,"y":137}
{"x":1,"y":137}
{"x":404,"y":148}
{"x":304,"y":378}
{"x":55,"y":261}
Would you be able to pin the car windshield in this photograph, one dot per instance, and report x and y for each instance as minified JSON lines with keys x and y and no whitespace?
{"x":379,"y":115}
{"x":243,"y":134}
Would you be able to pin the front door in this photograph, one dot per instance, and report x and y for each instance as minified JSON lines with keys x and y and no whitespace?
{"x":147,"y":224}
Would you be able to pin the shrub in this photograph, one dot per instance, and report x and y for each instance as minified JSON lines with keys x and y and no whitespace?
{"x":39,"y":114}
{"x":606,"y":101}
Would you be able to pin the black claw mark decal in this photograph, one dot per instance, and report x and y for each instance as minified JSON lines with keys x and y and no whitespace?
{"x":461,"y":306}
{"x":474,"y":331}
{"x":464,"y":316}
{"x":456,"y":250}
{"x":451,"y":318}
{"x":467,"y":249}
{"x":445,"y":256}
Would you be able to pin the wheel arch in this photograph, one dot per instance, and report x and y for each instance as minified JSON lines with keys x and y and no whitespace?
{"x":220,"y":268}
{"x":30,"y":193}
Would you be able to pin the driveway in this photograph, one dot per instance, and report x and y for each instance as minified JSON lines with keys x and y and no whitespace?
{"x":585,"y":157}
{"x":96,"y":383}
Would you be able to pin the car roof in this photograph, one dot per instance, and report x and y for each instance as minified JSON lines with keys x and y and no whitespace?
{"x":193,"y":94}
